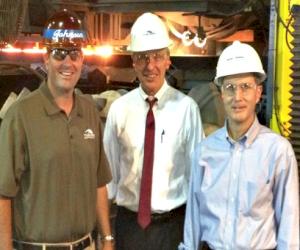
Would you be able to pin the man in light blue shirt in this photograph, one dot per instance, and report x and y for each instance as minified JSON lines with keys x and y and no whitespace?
{"x":244,"y":191}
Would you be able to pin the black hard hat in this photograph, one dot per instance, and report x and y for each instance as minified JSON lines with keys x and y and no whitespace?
{"x":64,"y":29}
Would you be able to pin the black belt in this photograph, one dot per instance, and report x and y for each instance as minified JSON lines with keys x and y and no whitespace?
{"x":77,"y":246}
{"x":204,"y":246}
{"x":155,"y":216}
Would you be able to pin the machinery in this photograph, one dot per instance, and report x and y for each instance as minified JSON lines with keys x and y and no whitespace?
{"x":200,"y":29}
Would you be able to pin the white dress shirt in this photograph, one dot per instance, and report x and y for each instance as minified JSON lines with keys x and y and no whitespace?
{"x":178,"y":130}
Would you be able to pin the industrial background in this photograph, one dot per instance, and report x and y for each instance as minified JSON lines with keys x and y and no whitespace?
{"x":200,"y":30}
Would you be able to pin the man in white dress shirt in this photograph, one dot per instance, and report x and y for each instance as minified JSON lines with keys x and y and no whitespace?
{"x":178,"y":129}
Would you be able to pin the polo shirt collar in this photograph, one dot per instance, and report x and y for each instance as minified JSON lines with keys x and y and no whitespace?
{"x":50,"y":105}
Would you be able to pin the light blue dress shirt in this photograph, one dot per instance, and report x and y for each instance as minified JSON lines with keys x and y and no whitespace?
{"x":243,"y":194}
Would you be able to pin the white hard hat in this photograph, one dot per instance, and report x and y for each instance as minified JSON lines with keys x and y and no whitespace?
{"x":148,"y":32}
{"x":239,"y":58}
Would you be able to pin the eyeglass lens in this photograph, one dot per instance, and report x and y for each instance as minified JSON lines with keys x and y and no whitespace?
{"x":144,"y":58}
{"x":61,"y":54}
{"x":232,"y":88}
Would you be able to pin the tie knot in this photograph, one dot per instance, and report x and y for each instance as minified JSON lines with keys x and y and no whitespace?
{"x":151,"y":100}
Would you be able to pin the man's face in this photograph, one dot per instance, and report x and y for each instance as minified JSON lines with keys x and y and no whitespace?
{"x":240,"y":94}
{"x":64,"y":69}
{"x":151,"y":67}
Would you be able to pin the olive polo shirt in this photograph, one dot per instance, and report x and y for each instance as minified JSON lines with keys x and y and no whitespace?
{"x":51,"y":165}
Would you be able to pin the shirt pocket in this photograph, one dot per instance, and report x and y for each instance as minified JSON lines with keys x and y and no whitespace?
{"x":170,"y":147}
{"x":256,"y":192}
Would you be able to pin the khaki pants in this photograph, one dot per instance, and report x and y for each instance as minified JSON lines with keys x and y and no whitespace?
{"x":92,"y":247}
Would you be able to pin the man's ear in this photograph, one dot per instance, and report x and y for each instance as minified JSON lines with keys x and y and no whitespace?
{"x":46,"y":58}
{"x":222,"y":96}
{"x":259,"y":92}
{"x":168,"y":63}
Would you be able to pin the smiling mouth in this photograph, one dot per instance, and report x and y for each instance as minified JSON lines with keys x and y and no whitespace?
{"x":66,"y":74}
{"x":238,"y":109}
{"x":151,"y":76}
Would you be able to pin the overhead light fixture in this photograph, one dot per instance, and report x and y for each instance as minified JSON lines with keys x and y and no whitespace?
{"x":188,"y":37}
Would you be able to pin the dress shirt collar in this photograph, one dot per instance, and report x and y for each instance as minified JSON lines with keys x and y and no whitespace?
{"x":51,"y":107}
{"x":248,"y":138}
{"x":158,"y":95}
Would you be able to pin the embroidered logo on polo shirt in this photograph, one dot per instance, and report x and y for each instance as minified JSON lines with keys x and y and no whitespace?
{"x":88,"y":134}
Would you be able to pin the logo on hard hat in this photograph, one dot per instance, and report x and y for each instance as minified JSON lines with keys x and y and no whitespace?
{"x":60,"y":33}
{"x":149,"y":32}
{"x":236,"y":57}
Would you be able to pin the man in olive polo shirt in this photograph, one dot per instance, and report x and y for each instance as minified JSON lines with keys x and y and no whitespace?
{"x":53,"y":171}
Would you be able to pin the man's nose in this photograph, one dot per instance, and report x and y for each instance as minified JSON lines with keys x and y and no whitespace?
{"x":68,"y":59}
{"x":150,"y":61}
{"x":238,"y":93}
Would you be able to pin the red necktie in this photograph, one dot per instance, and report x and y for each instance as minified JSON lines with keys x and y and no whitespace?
{"x":144,"y":213}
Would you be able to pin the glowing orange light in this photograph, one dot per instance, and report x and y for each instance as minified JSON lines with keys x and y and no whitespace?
{"x":34,"y":51}
{"x":11,"y":49}
{"x":102,"y":51}
{"x":88,"y":51}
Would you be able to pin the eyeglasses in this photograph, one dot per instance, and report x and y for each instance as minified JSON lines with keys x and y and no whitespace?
{"x":61,"y":54}
{"x":141,"y":59}
{"x":230,"y":89}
